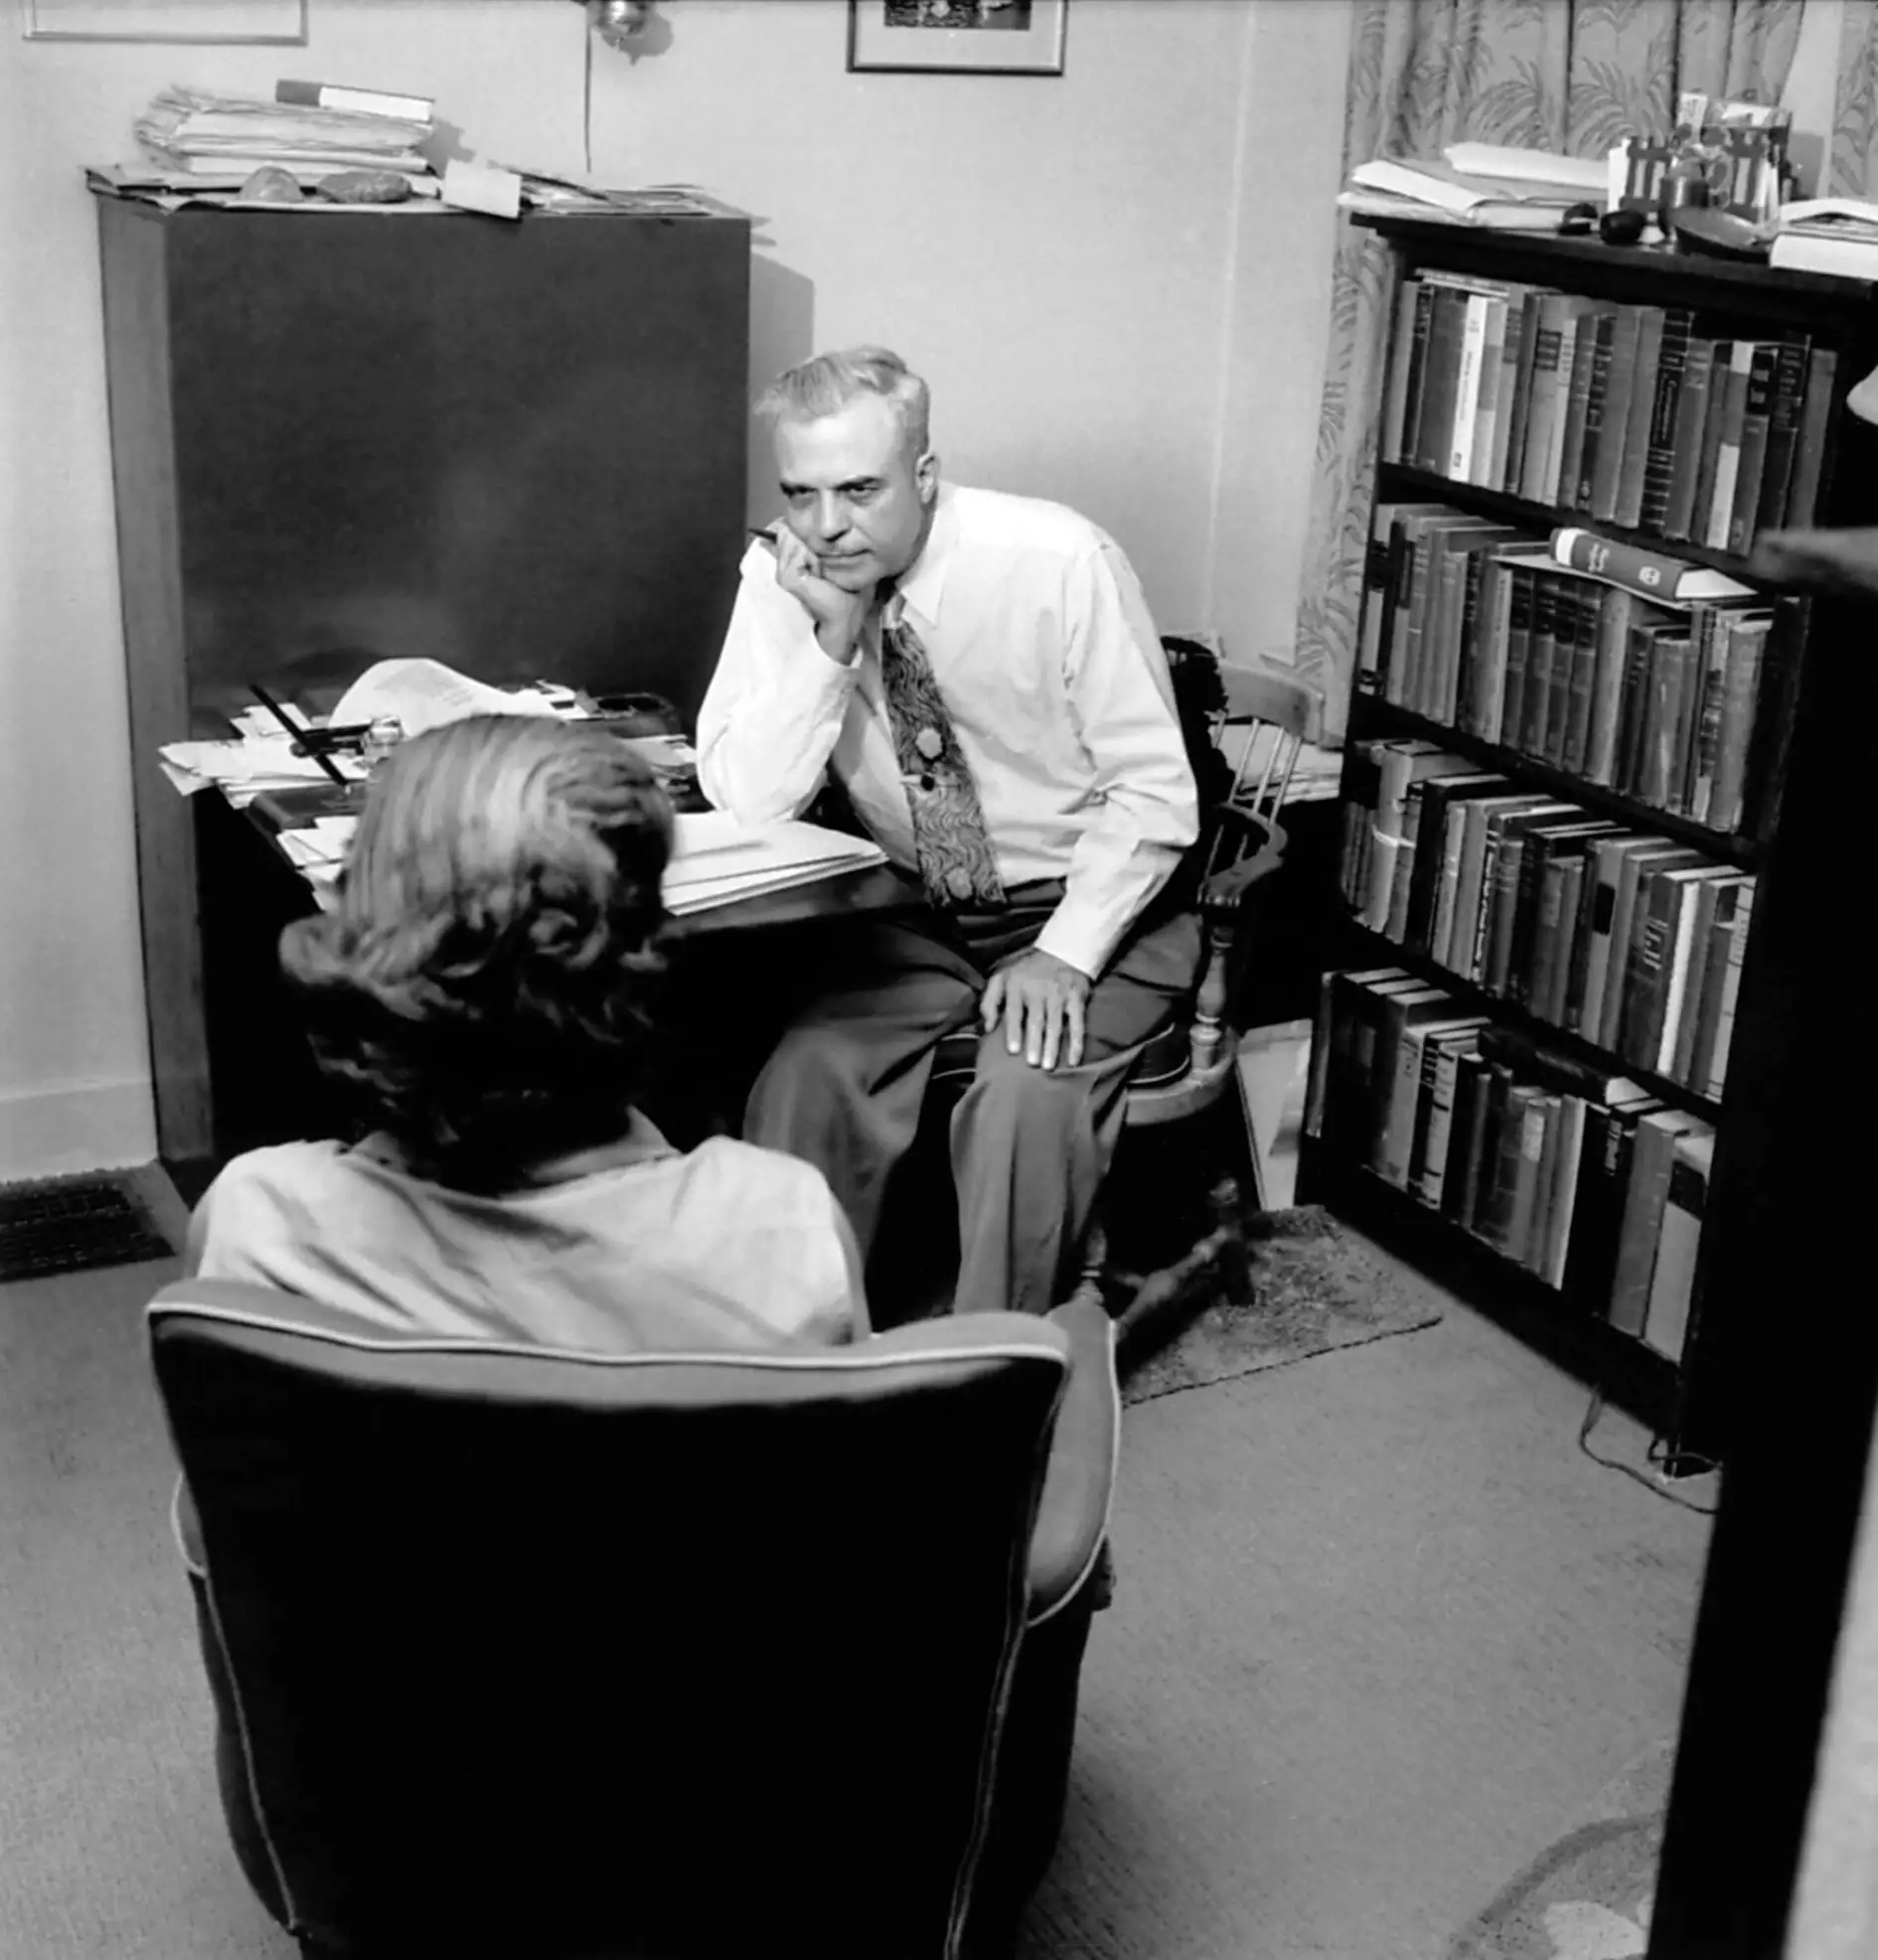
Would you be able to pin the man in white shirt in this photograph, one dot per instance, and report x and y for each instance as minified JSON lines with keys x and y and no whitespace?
{"x":980,"y":674}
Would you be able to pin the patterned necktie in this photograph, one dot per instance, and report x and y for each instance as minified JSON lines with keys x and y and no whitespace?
{"x":954,"y":848}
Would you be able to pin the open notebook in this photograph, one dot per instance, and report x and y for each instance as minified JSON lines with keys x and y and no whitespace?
{"x":718,"y":860}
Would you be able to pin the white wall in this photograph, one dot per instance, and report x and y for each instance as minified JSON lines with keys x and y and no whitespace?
{"x":1093,"y":271}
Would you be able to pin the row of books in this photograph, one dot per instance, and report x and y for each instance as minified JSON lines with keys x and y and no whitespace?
{"x":1629,"y":940}
{"x":1669,"y":420}
{"x":1518,"y":641}
{"x":1584,"y":1179}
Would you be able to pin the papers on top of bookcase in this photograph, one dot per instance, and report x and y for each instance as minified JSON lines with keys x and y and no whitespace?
{"x":1581,"y":177}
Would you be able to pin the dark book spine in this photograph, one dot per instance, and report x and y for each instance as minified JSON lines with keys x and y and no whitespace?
{"x":1519,"y":604}
{"x":1568,"y":611}
{"x":1698,"y":376}
{"x":1816,"y":421}
{"x":1581,"y":675}
{"x":1611,"y":375}
{"x":1514,"y":468}
{"x":1457,"y":679}
{"x":1756,"y":422}
{"x":1482,"y":1146}
{"x":1584,"y":404}
{"x":1470,"y":1076}
{"x":1533,"y":860}
{"x":1504,"y":903}
{"x":1604,"y":1169}
{"x":1672,"y":360}
{"x":1541,"y":649}
{"x":1639,"y":664}
{"x":1425,"y":869}
{"x":1410,"y":445}
{"x":1783,"y":430}
{"x":1552,"y":983}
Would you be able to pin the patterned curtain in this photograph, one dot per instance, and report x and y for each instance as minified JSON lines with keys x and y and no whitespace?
{"x":1852,"y":155}
{"x":1557,"y":74}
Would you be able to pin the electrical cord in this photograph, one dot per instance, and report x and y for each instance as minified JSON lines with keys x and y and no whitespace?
{"x":1656,"y":1455}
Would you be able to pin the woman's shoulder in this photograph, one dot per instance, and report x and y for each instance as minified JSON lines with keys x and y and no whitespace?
{"x":293,"y":1176}
{"x":753,"y":1167}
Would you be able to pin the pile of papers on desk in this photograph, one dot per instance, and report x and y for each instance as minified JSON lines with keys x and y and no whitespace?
{"x":717,"y":860}
{"x":196,"y":134}
{"x":246,"y":765}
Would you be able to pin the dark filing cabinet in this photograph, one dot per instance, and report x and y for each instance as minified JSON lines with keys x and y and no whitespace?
{"x":342,"y":436}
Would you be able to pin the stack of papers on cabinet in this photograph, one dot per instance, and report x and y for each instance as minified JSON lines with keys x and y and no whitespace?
{"x":719,"y":861}
{"x":192,"y":131}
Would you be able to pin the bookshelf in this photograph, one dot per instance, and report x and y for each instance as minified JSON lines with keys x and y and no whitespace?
{"x":1564,"y":785}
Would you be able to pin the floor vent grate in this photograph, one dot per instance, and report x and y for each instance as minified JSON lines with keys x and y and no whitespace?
{"x":66,"y":1224}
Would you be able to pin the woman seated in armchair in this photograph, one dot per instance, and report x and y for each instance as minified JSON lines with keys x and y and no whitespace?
{"x":483,"y":988}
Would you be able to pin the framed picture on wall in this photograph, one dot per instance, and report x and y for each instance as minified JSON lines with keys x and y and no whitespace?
{"x":254,"y":22}
{"x":956,"y":37}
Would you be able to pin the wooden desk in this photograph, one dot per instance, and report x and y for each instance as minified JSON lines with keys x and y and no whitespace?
{"x":263,"y":1086}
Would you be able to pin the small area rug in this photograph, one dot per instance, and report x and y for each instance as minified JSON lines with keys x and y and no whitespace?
{"x":1588,"y":1896}
{"x":1262,"y":1291}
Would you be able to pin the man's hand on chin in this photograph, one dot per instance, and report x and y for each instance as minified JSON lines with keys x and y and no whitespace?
{"x":838,"y":614}
{"x":1041,"y":1001}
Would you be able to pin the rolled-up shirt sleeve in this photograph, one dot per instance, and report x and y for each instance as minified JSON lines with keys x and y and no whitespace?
{"x":1121,"y":697}
{"x":774,"y":707}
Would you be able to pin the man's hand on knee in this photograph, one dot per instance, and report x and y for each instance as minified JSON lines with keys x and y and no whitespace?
{"x":1041,"y":1001}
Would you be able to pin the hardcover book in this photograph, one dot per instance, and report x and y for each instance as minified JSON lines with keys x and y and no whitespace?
{"x":1685,"y":463}
{"x":1679,"y":1237}
{"x":1674,"y":355}
{"x":1624,"y":503}
{"x":1652,"y":1154}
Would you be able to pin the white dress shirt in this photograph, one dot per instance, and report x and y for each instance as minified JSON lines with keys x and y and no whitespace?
{"x":1058,"y":691}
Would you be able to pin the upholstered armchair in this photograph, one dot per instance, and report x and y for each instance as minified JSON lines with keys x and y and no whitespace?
{"x":556,"y":1656}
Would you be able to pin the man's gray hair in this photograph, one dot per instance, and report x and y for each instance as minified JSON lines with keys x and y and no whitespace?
{"x":830,"y":381}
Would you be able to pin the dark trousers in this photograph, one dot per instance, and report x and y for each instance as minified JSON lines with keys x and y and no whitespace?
{"x":1030,"y":1148}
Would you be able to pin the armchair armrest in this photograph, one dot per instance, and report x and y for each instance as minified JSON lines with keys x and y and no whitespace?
{"x":1073,"y":1519}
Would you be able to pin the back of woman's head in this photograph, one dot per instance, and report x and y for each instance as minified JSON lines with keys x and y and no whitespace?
{"x":481,"y":983}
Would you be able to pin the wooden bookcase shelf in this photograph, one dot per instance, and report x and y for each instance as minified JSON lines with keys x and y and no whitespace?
{"x":1695,"y":1403}
{"x":1404,"y":480}
{"x":1371,"y":718}
{"x":1377,"y":950}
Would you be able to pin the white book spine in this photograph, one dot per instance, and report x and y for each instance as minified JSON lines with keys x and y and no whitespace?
{"x":1467,"y":397}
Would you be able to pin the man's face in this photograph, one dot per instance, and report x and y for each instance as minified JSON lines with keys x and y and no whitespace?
{"x":853,"y":493}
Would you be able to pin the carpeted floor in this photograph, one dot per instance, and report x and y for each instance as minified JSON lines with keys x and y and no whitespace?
{"x":1381,"y":1633}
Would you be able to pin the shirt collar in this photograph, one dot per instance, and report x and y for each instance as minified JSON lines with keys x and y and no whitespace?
{"x":923,"y":583}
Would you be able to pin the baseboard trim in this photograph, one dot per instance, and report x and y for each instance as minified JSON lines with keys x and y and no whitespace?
{"x":77,"y":1127}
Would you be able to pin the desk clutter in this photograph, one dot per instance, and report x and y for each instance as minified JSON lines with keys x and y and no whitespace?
{"x":320,"y":146}
{"x":292,"y":768}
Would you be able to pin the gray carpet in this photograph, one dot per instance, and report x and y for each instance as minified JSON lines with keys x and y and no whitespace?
{"x":1381,"y":1631}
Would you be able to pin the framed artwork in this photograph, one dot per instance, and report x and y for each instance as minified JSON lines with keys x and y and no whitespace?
{"x":280,"y":22}
{"x":956,"y":37}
